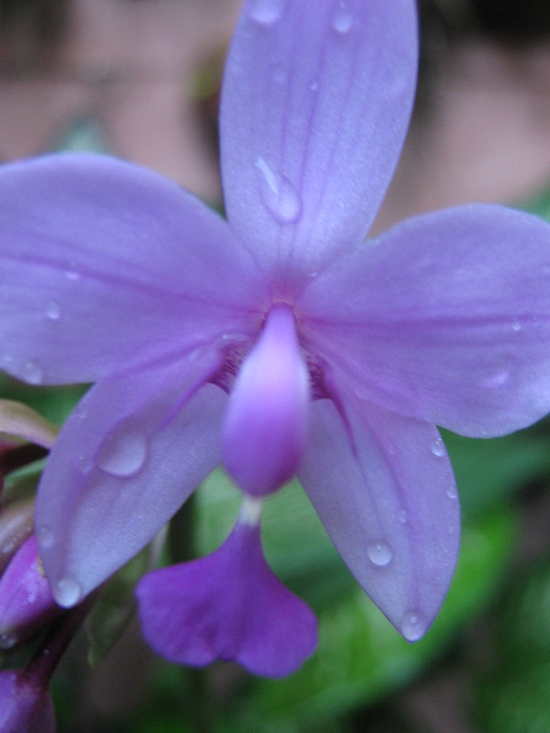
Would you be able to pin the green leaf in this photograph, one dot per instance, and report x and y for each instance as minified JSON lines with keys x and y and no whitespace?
{"x":361,"y":657}
{"x":514,"y":695}
{"x":489,"y":472}
{"x":114,"y":608}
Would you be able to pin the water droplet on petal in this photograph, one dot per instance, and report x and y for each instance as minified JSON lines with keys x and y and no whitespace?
{"x":32,"y":373}
{"x":516,"y":326}
{"x":402,"y":517}
{"x":53,"y":310}
{"x":438,"y":448}
{"x":68,"y":591}
{"x":72,"y":275}
{"x":314,"y":86}
{"x":452,"y":493}
{"x":498,"y":379}
{"x":342,"y":19}
{"x":8,"y":641}
{"x":412,"y":626}
{"x":379,"y":554}
{"x":45,"y":536}
{"x":81,"y":411}
{"x":279,"y":195}
{"x":123,"y":453}
{"x":266,"y":12}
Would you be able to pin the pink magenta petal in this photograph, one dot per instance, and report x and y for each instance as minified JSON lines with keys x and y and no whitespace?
{"x":384,"y":489}
{"x":444,"y":318}
{"x":130,"y":454}
{"x":315,"y":105}
{"x":103,"y":262}
{"x":228,"y":606}
{"x":26,"y":601}
{"x":265,"y":428}
{"x":24,"y":707}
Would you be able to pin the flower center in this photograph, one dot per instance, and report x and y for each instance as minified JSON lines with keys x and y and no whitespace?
{"x":265,"y":429}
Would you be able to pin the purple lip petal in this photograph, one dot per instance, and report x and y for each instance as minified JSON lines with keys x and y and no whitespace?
{"x":444,"y":318}
{"x":265,"y":427}
{"x":124,"y":462}
{"x":390,"y":505}
{"x":91,"y":266}
{"x":315,"y":106}
{"x":228,"y":606}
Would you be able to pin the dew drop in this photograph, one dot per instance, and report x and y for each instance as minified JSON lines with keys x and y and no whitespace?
{"x":68,"y":591}
{"x":342,"y":19}
{"x":279,"y":195}
{"x":123,"y":453}
{"x":438,"y":448}
{"x":32,"y":373}
{"x":516,"y":326}
{"x":379,"y":554}
{"x":81,"y":411}
{"x":53,"y":311}
{"x":412,"y":626}
{"x":451,"y":492}
{"x":402,"y":517}
{"x":72,"y":275}
{"x":498,"y":379}
{"x":8,"y":640}
{"x":45,"y":536}
{"x":266,"y":12}
{"x":314,"y":86}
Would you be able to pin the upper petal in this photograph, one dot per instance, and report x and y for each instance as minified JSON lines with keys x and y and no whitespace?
{"x":130,"y":454}
{"x":315,"y":105}
{"x":102,"y":261}
{"x":445,"y":318}
{"x":384,"y":489}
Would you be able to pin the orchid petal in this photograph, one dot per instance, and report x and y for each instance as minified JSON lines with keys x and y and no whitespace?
{"x":444,"y":318}
{"x":101,"y":260}
{"x":315,"y":105}
{"x":383,"y":487}
{"x":265,"y":427}
{"x":230,"y":606}
{"x":130,"y":454}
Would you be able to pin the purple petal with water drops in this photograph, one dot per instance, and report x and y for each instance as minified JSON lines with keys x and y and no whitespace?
{"x":101,"y":260}
{"x":315,"y":105}
{"x":384,"y":489}
{"x":24,"y":706}
{"x":230,"y":606}
{"x":26,"y":601}
{"x":130,"y":454}
{"x":265,"y":427}
{"x":444,"y":318}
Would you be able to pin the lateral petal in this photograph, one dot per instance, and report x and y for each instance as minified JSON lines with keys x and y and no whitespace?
{"x":130,"y":454}
{"x":383,"y":487}
{"x":445,"y":318}
{"x":103,"y":263}
{"x":315,"y":105}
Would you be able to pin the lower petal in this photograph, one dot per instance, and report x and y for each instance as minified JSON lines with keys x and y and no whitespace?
{"x":229,"y":606}
{"x":384,"y":489}
{"x":130,"y":454}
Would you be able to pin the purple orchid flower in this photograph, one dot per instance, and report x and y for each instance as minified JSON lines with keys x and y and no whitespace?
{"x":279,"y":342}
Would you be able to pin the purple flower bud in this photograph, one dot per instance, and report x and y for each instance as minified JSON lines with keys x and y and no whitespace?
{"x":25,"y":707}
{"x":26,"y":601}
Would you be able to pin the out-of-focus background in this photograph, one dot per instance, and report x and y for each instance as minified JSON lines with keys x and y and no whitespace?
{"x":140,"y":79}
